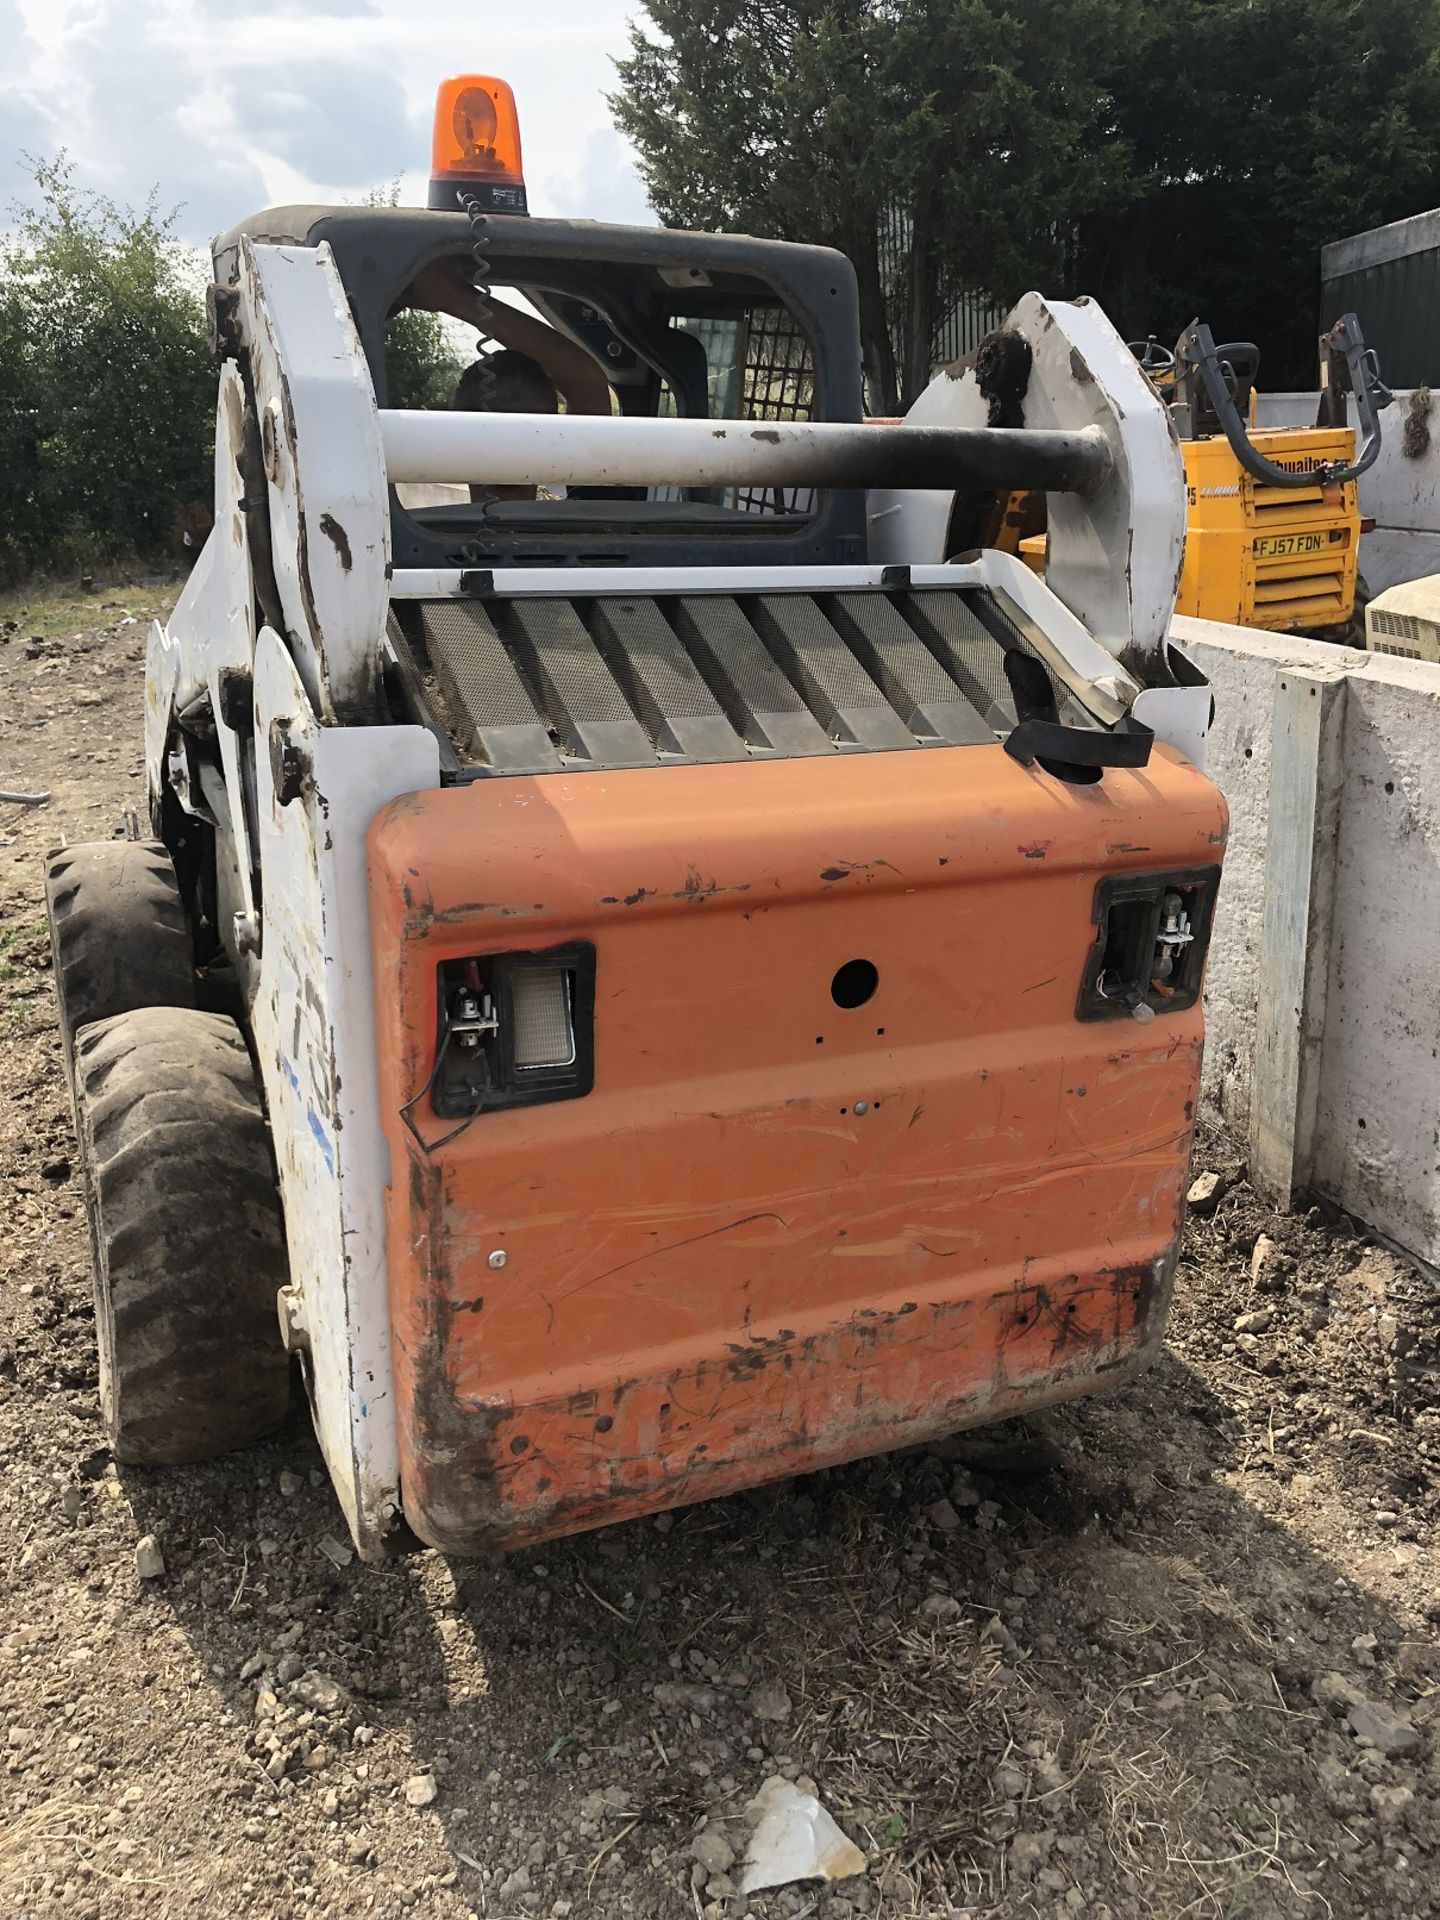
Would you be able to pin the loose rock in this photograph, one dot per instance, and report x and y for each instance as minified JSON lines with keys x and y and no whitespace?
{"x":1265,"y":1265}
{"x":941,"y":1607}
{"x":1334,"y":1692}
{"x":1205,"y":1191}
{"x":421,"y":1790}
{"x":1257,"y":1321}
{"x":942,"y":1516}
{"x":1029,"y":1852}
{"x":713,"y":1851}
{"x":1380,"y":1727}
{"x":1391,"y":1804}
{"x":769,"y":1701}
{"x":149,"y":1561}
{"x":318,"y":1690}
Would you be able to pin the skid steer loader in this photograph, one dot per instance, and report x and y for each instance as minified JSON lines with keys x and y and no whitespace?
{"x":655,"y":988}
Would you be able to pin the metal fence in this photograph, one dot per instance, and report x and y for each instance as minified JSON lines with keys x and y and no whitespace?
{"x":964,"y":321}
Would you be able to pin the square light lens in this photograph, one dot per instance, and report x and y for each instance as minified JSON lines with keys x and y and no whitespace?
{"x":544,"y":1029}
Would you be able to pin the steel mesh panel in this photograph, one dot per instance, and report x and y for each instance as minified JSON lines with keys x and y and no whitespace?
{"x":968,"y":650}
{"x":470,"y":658}
{"x":930,"y":703}
{"x":565,"y":662}
{"x":902,"y":665}
{"x":649,"y":662}
{"x":814,"y":655}
{"x":586,"y":707}
{"x":535,"y":682}
{"x":760,"y":702}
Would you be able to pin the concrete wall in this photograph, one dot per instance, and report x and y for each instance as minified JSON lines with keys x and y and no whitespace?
{"x":1323,"y":997}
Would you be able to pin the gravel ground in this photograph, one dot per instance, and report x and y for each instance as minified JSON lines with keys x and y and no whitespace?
{"x":1169,"y":1654}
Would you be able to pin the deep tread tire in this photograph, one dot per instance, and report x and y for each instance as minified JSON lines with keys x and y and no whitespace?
{"x":187,"y":1236}
{"x":118,"y":933}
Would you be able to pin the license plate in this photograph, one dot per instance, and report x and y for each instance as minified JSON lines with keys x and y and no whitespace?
{"x":1282,"y":546}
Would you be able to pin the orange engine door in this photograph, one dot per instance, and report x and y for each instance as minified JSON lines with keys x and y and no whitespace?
{"x":777,"y":1232}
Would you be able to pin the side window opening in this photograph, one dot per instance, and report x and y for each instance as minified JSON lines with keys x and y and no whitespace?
{"x":760,"y":367}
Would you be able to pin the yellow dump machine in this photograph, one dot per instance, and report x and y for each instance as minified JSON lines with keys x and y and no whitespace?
{"x":1262,"y":555}
{"x":1272,"y":530}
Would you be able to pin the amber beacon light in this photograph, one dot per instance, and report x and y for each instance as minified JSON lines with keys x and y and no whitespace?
{"x":475,"y":160}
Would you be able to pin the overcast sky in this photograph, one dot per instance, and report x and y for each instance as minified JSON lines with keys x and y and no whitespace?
{"x":230,"y":107}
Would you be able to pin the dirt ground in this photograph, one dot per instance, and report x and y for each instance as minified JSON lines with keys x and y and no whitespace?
{"x":1169,"y":1654}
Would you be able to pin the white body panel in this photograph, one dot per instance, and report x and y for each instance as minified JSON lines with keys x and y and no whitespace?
{"x":1114,"y":555}
{"x":320,"y":440}
{"x":313,"y":1020}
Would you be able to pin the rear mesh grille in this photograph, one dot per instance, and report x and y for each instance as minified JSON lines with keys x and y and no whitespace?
{"x":540,"y":683}
{"x":966,"y":645}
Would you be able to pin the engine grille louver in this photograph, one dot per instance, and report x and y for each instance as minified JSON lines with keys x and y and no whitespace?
{"x":534,"y":684}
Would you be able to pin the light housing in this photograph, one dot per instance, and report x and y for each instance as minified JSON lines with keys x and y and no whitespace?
{"x":475,"y":153}
{"x":515,"y":1030}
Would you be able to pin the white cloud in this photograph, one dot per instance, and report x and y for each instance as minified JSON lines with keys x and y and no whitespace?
{"x":227,"y":107}
{"x":601,"y":184}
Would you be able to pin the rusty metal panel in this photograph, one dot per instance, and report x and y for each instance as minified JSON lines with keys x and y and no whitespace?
{"x":791,"y":1222}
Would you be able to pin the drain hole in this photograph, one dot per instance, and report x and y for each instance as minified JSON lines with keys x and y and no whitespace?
{"x":854,"y":983}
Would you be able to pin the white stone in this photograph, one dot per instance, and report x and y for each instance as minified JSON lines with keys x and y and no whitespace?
{"x":149,"y":1561}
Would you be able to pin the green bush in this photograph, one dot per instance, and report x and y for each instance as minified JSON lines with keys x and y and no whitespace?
{"x":107,"y":392}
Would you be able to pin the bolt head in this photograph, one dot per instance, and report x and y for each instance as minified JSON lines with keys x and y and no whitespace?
{"x":862,"y":1106}
{"x":498,"y":1258}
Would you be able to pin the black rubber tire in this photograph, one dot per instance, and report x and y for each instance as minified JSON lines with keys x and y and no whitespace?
{"x":118,"y":933}
{"x":187,"y":1237}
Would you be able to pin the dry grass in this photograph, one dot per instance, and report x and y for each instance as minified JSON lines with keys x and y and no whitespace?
{"x":922,"y":1730}
{"x":52,"y":608}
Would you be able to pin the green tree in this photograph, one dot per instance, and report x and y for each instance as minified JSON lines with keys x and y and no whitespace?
{"x":107,"y":389}
{"x":1259,"y":130}
{"x":22,"y":518}
{"x":421,"y":365}
{"x":981,"y":128}
{"x":1174,"y":158}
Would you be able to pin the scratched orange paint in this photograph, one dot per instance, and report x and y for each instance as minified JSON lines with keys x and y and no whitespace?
{"x":719,"y":1268}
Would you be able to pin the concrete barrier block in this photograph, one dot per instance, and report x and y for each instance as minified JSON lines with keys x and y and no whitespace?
{"x":1323,"y":1049}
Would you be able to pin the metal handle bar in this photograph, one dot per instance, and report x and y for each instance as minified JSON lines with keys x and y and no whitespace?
{"x":521,"y":449}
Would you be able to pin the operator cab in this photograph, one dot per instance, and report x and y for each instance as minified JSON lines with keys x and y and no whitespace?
{"x":649,"y":321}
